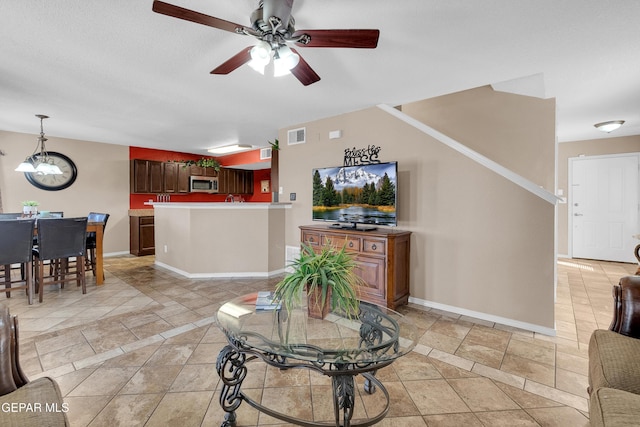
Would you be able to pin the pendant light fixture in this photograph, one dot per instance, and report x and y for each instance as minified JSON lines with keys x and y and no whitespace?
{"x":39,"y":162}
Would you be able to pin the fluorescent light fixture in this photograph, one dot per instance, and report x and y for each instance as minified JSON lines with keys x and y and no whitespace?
{"x":609,"y":126}
{"x":226,"y":149}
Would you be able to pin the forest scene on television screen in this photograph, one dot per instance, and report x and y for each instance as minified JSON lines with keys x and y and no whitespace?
{"x":354,"y":194}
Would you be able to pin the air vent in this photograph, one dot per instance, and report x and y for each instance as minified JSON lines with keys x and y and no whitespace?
{"x":265,"y":153}
{"x":297,"y":136}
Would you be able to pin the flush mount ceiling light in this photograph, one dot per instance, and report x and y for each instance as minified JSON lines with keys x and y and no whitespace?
{"x":227,"y":149}
{"x":609,"y":126}
{"x":39,"y":162}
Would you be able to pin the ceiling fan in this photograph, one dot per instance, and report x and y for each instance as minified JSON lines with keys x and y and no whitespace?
{"x":273,"y":25}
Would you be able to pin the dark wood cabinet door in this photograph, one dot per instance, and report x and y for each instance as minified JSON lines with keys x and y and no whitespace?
{"x":224,"y":186}
{"x":183,"y":178}
{"x":139,"y":176}
{"x":142,"y":235}
{"x":196,"y":170}
{"x":156,"y":177}
{"x":170,"y":177}
{"x":248,"y":182}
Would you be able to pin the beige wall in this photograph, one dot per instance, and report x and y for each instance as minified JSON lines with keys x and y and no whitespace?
{"x":595,"y":147}
{"x":513,"y":138}
{"x":221,"y":239}
{"x":480,"y":243}
{"x":102,"y":184}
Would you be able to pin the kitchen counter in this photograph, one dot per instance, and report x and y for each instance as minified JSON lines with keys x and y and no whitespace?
{"x":221,"y":239}
{"x":141,"y":212}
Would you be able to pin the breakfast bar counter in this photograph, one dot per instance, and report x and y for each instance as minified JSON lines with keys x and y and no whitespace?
{"x":220,"y":239}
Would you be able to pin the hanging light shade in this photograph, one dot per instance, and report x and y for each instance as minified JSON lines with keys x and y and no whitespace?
{"x":39,"y":162}
{"x":284,"y":61}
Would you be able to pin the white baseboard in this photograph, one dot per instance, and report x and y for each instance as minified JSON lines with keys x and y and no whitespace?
{"x":484,"y":316}
{"x":219,"y":275}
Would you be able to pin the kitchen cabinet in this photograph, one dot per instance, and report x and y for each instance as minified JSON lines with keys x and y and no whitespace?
{"x":382,"y":256}
{"x":202,"y":171}
{"x":141,"y":235}
{"x":235,"y":181}
{"x":175,"y":177}
{"x":155,"y":177}
{"x":146,"y":176}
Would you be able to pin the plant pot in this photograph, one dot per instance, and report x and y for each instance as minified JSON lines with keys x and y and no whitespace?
{"x":29,"y":210}
{"x":316,"y":307}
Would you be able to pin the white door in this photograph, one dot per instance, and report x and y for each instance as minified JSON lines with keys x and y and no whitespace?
{"x":603,"y":212}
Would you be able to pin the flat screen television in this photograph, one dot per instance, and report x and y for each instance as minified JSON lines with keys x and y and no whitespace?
{"x":351,"y":195}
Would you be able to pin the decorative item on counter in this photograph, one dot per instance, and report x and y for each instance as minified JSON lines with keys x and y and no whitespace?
{"x":30,"y":208}
{"x":329,"y":279}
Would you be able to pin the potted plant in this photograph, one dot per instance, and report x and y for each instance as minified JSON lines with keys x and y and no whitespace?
{"x":30,"y":207}
{"x":327,"y":276}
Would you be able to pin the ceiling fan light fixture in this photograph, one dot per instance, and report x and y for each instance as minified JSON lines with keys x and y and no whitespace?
{"x":284,"y":61}
{"x":257,"y":66}
{"x":261,"y":52}
{"x":609,"y":126}
{"x":227,"y":149}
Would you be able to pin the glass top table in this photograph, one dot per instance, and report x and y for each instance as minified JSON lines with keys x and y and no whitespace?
{"x":337,"y":346}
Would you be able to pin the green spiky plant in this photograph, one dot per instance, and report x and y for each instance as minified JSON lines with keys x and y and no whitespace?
{"x":329,"y":268}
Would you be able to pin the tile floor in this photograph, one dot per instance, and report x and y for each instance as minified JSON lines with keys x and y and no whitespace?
{"x":141,"y":350}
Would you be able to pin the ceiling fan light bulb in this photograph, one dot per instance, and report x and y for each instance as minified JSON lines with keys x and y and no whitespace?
{"x":280,"y":68}
{"x":261,"y":52}
{"x":257,"y":66}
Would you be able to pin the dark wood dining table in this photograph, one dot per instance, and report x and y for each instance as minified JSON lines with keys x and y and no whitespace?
{"x":98,"y":228}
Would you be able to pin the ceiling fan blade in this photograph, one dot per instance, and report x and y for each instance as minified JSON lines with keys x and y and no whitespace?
{"x":363,"y":39}
{"x":234,"y":62}
{"x":193,"y":16}
{"x":304,"y":72}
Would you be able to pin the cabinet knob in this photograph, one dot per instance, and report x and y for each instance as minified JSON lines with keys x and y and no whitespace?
{"x":311,"y":239}
{"x":350,"y":244}
{"x":374,"y":247}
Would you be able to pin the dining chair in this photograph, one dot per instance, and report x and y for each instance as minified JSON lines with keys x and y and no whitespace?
{"x":58,"y":240}
{"x":15,"y":248}
{"x":91,"y":239}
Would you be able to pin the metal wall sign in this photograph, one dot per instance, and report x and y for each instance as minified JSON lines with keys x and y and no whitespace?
{"x":361,"y":156}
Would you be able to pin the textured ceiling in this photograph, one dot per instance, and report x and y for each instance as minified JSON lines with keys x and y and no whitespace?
{"x":116,"y":72}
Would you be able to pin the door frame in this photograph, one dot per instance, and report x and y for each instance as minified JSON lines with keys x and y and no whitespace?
{"x":570,"y":185}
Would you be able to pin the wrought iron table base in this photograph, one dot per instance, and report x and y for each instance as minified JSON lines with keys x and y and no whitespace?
{"x":231,"y":368}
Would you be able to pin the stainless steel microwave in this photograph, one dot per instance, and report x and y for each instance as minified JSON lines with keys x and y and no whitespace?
{"x":203,"y":184}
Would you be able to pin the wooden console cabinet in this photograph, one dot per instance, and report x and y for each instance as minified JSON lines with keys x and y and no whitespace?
{"x":382,"y":255}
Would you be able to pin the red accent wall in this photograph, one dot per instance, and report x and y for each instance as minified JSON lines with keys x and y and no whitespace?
{"x":136,"y":201}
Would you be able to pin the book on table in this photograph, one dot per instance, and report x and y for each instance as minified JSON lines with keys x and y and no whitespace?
{"x":265,"y":301}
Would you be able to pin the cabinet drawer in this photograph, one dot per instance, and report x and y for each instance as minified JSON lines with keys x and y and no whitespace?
{"x":351,"y":243}
{"x":374,"y":246}
{"x":311,"y":239}
{"x":146,"y":220}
